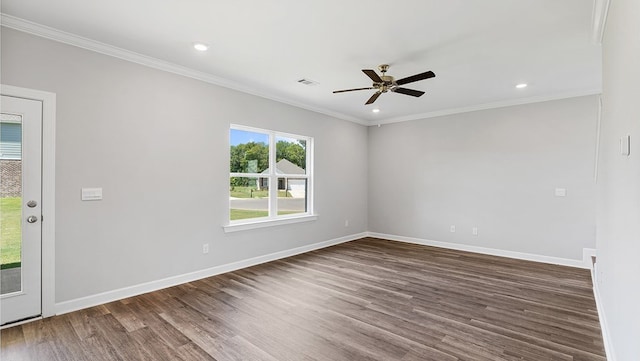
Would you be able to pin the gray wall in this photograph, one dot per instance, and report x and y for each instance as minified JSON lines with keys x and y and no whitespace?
{"x":494,"y":169}
{"x":158,"y":145}
{"x":618,"y":240}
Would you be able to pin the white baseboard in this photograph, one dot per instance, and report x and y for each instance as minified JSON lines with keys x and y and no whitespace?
{"x":118,"y":294}
{"x":489,"y":251}
{"x":606,"y":336}
{"x":110,"y":296}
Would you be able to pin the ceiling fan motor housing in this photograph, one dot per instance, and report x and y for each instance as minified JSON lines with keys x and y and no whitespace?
{"x":387,"y":80}
{"x":387,"y":83}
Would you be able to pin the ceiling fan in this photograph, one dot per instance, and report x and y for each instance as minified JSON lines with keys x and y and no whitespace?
{"x":386,"y":83}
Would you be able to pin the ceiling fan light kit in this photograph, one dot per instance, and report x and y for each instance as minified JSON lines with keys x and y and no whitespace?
{"x":386,"y":83}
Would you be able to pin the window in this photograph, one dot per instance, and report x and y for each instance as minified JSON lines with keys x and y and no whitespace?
{"x":270,"y":175}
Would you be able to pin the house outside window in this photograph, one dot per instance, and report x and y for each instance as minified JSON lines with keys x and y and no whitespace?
{"x":270,"y":175}
{"x":10,"y":155}
{"x":10,"y":138}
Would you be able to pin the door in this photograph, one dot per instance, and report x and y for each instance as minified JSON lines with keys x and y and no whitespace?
{"x":20,"y":209}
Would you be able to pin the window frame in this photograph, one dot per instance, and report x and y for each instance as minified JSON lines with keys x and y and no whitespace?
{"x":273,"y":219}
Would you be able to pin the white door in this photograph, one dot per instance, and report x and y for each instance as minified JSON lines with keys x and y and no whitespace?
{"x":20,"y":209}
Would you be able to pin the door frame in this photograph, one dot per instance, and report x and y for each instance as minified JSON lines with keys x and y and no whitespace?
{"x":48,"y":189}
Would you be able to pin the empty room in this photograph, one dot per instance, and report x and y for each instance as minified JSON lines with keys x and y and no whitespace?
{"x":320,"y":180}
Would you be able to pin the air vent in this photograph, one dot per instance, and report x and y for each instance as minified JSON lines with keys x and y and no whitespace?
{"x":307,"y":82}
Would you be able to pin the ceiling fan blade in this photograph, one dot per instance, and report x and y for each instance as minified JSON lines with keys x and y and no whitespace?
{"x":351,"y":90}
{"x":373,"y":98}
{"x":412,"y":92}
{"x":417,"y":77}
{"x":373,"y":75}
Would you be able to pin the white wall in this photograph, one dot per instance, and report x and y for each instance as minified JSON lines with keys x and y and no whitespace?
{"x":493,"y":169}
{"x":158,"y":145}
{"x":618,"y":239}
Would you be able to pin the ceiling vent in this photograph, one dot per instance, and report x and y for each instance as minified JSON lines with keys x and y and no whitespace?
{"x":307,"y":82}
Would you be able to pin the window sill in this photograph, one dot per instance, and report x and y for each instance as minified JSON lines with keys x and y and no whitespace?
{"x":236,"y":227}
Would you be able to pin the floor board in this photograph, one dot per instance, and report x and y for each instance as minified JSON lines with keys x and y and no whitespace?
{"x":369,"y":299}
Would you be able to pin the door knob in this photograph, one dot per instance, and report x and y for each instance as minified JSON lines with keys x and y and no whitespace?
{"x":32,"y":204}
{"x":32,"y":219}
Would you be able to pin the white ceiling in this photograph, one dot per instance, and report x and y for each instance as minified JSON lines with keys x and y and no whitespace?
{"x":479,"y":50}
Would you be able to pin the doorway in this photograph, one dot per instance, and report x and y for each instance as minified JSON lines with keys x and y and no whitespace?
{"x":27,"y":184}
{"x":20,"y":209}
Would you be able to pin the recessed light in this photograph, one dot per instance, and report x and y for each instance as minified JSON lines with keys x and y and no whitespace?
{"x":200,"y":46}
{"x":376,"y":110}
{"x":521,"y":85}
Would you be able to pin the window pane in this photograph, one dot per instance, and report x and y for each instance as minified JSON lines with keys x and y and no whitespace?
{"x":292,"y":196}
{"x":249,"y":151}
{"x":248,"y":198}
{"x":263,"y":159}
{"x":291,"y":155}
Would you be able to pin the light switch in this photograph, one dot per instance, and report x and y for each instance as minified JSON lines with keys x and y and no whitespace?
{"x":561,"y":192}
{"x":91,"y":194}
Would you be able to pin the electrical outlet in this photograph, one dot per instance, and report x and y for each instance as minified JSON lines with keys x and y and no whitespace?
{"x":346,"y":223}
{"x":452,"y":229}
{"x":474,"y":231}
{"x":205,"y":248}
{"x":560,"y":192}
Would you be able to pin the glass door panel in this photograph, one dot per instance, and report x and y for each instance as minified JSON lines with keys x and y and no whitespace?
{"x":10,"y":203}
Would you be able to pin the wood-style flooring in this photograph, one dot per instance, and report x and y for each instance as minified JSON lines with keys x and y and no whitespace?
{"x":369,"y":299}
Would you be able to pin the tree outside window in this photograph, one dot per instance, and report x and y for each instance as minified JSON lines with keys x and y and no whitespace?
{"x":269,"y":174}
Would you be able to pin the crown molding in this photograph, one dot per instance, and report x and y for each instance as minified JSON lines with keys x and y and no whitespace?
{"x":486,"y":106}
{"x":599,"y":20}
{"x":47,"y":32}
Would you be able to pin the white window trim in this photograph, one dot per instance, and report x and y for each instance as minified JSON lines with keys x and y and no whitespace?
{"x":262,"y":222}
{"x":270,"y":221}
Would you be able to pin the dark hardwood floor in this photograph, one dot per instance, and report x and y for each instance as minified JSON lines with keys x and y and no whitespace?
{"x":369,"y":299}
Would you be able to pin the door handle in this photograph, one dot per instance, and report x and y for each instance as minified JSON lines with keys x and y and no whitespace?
{"x":32,"y":219}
